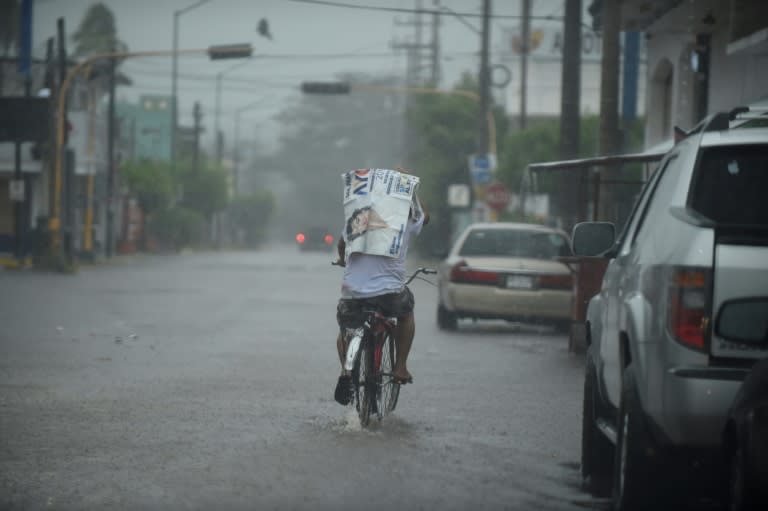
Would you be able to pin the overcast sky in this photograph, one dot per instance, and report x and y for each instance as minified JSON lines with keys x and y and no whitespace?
{"x":310,"y":42}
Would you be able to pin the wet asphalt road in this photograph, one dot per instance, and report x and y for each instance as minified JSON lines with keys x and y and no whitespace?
{"x":205,"y":381}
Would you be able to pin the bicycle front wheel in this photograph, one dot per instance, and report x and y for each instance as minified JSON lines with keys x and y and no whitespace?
{"x":366,"y":384}
{"x":390,"y":389}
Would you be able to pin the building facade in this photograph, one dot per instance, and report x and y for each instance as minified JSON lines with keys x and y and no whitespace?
{"x":145,"y":128}
{"x":703,"y":56}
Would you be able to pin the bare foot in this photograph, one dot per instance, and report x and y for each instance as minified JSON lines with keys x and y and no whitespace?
{"x":402,"y":376}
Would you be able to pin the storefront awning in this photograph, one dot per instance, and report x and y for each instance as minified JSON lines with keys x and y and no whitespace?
{"x":653,"y":154}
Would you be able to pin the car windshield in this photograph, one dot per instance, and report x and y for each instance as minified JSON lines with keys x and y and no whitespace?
{"x":740,"y":172}
{"x":514,"y":243}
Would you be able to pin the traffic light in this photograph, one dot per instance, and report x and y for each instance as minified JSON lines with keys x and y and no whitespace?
{"x":325,"y":87}
{"x":230,"y":51}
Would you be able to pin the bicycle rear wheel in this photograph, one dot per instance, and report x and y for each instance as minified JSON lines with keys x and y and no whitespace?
{"x":389,"y":389}
{"x":365,"y":388}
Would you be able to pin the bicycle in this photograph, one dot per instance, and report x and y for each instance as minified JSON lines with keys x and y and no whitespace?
{"x":370,"y":358}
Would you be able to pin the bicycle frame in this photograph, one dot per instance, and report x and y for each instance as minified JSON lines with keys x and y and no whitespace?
{"x":377,"y":392}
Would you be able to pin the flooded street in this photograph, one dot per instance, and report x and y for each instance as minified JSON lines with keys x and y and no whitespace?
{"x":205,"y":381}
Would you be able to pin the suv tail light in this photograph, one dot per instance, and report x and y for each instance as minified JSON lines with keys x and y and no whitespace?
{"x":463,"y":273}
{"x":328,"y":239}
{"x":561,"y":281}
{"x":689,"y":305}
{"x":300,"y":238}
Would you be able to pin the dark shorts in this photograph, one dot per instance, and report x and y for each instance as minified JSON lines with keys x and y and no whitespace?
{"x":349,"y":311}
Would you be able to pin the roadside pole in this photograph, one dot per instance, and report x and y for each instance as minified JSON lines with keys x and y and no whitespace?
{"x":21,"y":192}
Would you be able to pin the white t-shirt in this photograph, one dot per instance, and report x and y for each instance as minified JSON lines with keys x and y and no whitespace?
{"x":368,"y":275}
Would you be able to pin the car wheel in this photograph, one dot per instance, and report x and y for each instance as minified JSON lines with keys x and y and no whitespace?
{"x":639,"y":482}
{"x":446,"y":320}
{"x":741,"y":491}
{"x":596,"y":450}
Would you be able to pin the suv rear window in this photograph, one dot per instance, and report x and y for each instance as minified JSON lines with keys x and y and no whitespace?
{"x":515,"y":243}
{"x":730,"y":184}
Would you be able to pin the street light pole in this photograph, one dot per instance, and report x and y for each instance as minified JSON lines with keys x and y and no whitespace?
{"x":217,"y":112}
{"x":174,"y":77}
{"x":235,"y":144}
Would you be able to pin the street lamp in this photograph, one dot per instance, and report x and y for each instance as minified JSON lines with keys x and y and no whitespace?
{"x":174,"y":76}
{"x":217,"y":113}
{"x":235,"y":141}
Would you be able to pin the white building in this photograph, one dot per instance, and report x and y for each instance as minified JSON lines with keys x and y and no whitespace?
{"x":544,"y":75}
{"x":703,"y":56}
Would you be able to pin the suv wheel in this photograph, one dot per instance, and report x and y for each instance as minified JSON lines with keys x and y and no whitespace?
{"x":639,"y":481}
{"x":742,"y":495}
{"x":596,"y":450}
{"x":446,"y":319}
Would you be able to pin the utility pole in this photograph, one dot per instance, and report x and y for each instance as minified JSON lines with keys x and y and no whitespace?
{"x":572,"y":193}
{"x":111,"y":199}
{"x":525,"y":43}
{"x":65,"y":245}
{"x":435,"y":55}
{"x":610,"y":138}
{"x":484,"y":81}
{"x":49,"y":81}
{"x":414,"y":62}
{"x":198,"y":115}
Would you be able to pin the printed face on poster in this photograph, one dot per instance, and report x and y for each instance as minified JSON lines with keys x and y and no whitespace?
{"x":376,"y":207}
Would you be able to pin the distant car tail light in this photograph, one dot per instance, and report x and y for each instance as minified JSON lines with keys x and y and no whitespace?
{"x":464,"y":274}
{"x":689,"y":305}
{"x":560,"y":281}
{"x":328,"y":239}
{"x":300,"y":238}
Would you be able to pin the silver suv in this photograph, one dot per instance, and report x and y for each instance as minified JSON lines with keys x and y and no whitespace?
{"x":681,"y":316}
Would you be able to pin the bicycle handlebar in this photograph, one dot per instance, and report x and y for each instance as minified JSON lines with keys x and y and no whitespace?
{"x":422,"y":269}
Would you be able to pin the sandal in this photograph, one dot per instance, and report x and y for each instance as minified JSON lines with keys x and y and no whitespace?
{"x":343,"y":393}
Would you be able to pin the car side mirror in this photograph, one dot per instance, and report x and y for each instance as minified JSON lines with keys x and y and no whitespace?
{"x":593,"y":238}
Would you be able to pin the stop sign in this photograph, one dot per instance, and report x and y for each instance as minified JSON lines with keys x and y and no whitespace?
{"x":497,"y":196}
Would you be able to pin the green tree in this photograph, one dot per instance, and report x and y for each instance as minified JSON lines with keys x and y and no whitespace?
{"x":323,"y":136}
{"x":250,"y":215}
{"x":175,"y":227}
{"x":97,"y":33}
{"x":540,"y":143}
{"x":445,"y":127}
{"x":205,"y":191}
{"x":151,"y":183}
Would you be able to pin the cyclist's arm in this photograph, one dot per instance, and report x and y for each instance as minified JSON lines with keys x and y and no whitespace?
{"x":423,"y":210}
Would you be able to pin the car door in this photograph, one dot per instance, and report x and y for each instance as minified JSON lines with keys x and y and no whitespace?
{"x":613,"y":291}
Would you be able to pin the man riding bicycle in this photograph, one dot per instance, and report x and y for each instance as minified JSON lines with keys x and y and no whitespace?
{"x":378,"y":280}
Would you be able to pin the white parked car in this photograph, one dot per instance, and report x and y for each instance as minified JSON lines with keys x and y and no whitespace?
{"x":506,"y":271}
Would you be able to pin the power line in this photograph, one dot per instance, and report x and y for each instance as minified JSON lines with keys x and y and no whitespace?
{"x":438,"y":12}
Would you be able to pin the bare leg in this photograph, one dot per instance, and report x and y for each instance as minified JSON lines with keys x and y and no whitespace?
{"x":341,"y":347}
{"x":406,"y":328}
